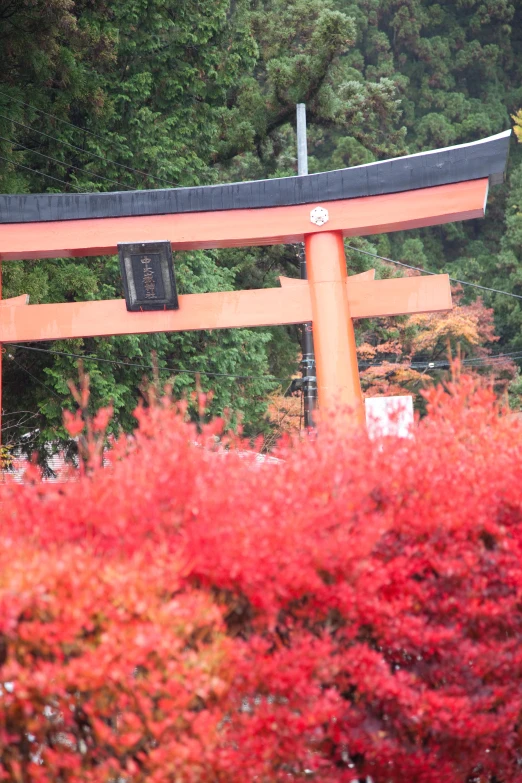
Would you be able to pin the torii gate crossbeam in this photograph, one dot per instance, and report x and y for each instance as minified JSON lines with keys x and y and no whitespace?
{"x":419,"y":190}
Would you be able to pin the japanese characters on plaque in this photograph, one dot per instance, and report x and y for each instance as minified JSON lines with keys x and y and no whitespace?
{"x":148,"y":276}
{"x":148,"y":279}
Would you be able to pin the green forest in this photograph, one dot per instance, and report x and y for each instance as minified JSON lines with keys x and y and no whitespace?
{"x":132,"y":94}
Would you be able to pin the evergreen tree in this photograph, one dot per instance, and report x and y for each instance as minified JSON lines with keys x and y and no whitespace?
{"x":154,"y":94}
{"x":150,"y":94}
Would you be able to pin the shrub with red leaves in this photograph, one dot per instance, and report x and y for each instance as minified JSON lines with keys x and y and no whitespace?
{"x":355,"y":610}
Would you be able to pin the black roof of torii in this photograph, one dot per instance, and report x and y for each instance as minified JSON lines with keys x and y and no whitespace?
{"x":482,"y":159}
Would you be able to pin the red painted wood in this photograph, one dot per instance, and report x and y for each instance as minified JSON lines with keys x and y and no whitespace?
{"x":334,"y":339}
{"x":15,"y":301}
{"x":196,"y":311}
{"x":399,"y":296}
{"x":368,"y":275}
{"x":221,"y":310}
{"x":275,"y":225}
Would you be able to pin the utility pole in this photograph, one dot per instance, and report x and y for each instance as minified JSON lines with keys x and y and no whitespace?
{"x":309,"y":379}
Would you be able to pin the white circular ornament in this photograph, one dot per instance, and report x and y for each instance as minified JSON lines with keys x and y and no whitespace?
{"x":319,"y":216}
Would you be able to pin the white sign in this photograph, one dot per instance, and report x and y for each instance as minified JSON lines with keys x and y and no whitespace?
{"x":389,"y":416}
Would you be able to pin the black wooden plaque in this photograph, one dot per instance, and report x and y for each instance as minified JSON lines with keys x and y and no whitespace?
{"x":148,"y":276}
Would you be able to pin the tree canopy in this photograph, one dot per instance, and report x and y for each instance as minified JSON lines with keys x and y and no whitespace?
{"x":107,"y":96}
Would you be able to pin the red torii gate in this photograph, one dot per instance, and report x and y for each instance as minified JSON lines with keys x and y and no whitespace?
{"x":420,"y":190}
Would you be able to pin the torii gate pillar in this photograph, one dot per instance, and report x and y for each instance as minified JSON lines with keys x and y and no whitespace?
{"x":334,"y":338}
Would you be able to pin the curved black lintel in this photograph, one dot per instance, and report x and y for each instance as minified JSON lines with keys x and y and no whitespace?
{"x":477,"y":160}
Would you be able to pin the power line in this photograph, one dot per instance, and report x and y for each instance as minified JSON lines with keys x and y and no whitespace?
{"x":427,"y":364}
{"x":429,"y":272}
{"x":36,"y":379}
{"x":488,"y":359}
{"x":498,"y":358}
{"x":58,"y":119}
{"x":476,"y":361}
{"x":65,"y":165}
{"x":86,"y":152}
{"x":145,"y":366}
{"x":502,"y":353}
{"x":41,"y":174}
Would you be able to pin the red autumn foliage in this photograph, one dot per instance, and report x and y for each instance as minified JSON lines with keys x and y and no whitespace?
{"x":353,"y":610}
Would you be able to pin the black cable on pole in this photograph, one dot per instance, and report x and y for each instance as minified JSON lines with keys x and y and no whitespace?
{"x":86,"y":152}
{"x":65,"y":165}
{"x":41,"y":174}
{"x":145,"y":366}
{"x":429,"y":272}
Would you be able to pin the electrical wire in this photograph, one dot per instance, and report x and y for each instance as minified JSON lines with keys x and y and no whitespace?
{"x":36,"y":379}
{"x":478,"y":361}
{"x":429,"y":272}
{"x":471,"y":361}
{"x":145,"y":366}
{"x":41,"y":174}
{"x":426,"y":365}
{"x":65,"y":165}
{"x":489,"y":359}
{"x":58,"y":119}
{"x":86,"y":152}
{"x":513,"y":353}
